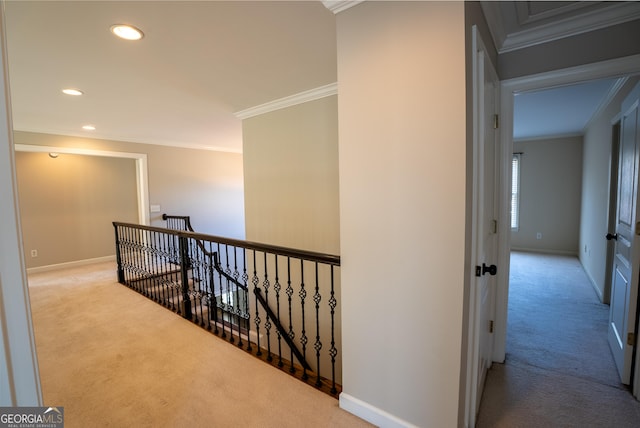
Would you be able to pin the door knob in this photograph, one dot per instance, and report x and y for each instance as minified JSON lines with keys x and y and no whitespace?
{"x":610,"y":236}
{"x":491,"y":269}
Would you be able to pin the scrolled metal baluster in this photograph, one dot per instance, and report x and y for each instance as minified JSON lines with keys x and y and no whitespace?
{"x":267,"y":323}
{"x":246,"y":305}
{"x":317,"y":344}
{"x":238,"y":302}
{"x":255,"y":281}
{"x":289,"y":292}
{"x":230,"y":297}
{"x":303,"y":333}
{"x":277,"y":287}
{"x":333,"y":352}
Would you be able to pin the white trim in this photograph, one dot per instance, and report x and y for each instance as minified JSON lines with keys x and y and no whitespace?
{"x":371,"y":414}
{"x":73,"y":264}
{"x":612,"y":14}
{"x":606,"y":69}
{"x":549,"y":137}
{"x":546,"y":251}
{"x":292,"y":100}
{"x":337,"y":6}
{"x":19,"y":373}
{"x":133,"y":140}
{"x":613,"y":91}
{"x":142,"y":184}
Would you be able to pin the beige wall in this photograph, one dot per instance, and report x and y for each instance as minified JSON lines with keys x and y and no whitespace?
{"x":67,"y":205}
{"x":595,"y":191}
{"x":550,"y":194}
{"x":402,"y":127}
{"x":204,"y":184}
{"x":291,"y":176}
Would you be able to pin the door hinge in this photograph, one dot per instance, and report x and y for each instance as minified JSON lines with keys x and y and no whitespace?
{"x":496,"y":121}
{"x":494,"y":226}
{"x":491,"y":326}
{"x":478,"y":271}
{"x":631,"y":339}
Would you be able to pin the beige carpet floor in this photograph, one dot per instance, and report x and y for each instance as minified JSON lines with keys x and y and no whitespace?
{"x":559,"y":371}
{"x":113,"y":358}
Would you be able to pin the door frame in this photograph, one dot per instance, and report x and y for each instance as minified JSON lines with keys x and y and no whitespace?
{"x":606,"y":69}
{"x":142,"y":181}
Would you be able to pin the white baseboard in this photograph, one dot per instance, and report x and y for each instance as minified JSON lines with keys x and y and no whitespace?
{"x":371,"y":414}
{"x":545,"y":251}
{"x":71,"y":264}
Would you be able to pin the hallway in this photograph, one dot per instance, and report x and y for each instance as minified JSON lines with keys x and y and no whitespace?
{"x":559,"y":371}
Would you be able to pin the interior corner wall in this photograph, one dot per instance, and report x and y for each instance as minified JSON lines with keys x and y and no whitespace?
{"x":67,"y":205}
{"x":595,"y":190}
{"x":204,"y":184}
{"x":402,"y":128}
{"x":291,"y":176}
{"x":600,"y":45}
{"x":550,"y":195}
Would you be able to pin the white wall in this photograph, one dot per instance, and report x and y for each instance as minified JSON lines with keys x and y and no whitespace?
{"x":595,"y":191}
{"x":550,"y":194}
{"x":402,"y":125}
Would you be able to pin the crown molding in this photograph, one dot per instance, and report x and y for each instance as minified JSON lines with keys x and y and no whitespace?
{"x":611,"y":15}
{"x":337,"y":6}
{"x":608,"y":98}
{"x":292,"y":100}
{"x":93,"y":136}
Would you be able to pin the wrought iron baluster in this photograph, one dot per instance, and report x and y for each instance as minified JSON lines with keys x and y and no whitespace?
{"x":257,"y":320}
{"x":222,"y":302}
{"x":333,"y":352}
{"x":277,"y":287}
{"x":230,"y":296}
{"x":289,"y":292}
{"x":317,"y":344}
{"x":247,"y":309}
{"x":237,"y":300}
{"x":303,"y":333}
{"x":267,"y":323}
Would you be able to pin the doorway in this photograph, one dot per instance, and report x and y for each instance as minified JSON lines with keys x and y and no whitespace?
{"x":607,"y":69}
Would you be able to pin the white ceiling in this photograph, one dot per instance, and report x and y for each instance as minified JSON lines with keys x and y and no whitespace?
{"x":198,"y":64}
{"x":559,"y":111}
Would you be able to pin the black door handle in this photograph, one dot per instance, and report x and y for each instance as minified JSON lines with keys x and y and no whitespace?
{"x":491,"y":269}
{"x":610,"y":236}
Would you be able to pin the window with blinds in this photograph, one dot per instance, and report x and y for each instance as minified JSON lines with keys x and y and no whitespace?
{"x":515,"y":191}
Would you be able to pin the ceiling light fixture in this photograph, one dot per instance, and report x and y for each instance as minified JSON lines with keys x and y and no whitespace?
{"x":127,"y":32}
{"x":71,"y":91}
{"x":53,"y":155}
{"x":89,"y":128}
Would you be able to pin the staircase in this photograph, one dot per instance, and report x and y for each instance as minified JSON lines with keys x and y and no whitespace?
{"x":276,"y":303}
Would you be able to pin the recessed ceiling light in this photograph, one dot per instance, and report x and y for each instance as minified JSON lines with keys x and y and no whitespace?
{"x":71,"y":91}
{"x":89,"y":128}
{"x":127,"y":32}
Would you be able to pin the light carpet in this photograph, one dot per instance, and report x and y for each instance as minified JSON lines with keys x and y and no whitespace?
{"x":559,"y":371}
{"x":113,"y":358}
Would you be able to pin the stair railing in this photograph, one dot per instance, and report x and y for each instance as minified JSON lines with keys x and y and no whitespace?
{"x":264,"y":298}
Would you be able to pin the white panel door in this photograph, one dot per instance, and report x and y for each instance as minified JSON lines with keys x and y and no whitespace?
{"x":624,"y":281}
{"x":484,"y":228}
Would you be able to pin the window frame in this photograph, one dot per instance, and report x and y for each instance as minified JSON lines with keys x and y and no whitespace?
{"x":516,"y":173}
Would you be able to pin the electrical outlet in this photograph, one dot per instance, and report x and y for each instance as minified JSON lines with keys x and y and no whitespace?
{"x":34,"y":253}
{"x":539,"y":235}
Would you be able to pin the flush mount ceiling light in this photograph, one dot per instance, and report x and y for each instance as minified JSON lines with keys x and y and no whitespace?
{"x":72,"y":91}
{"x":53,"y":155}
{"x":127,"y":32}
{"x":89,"y":128}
